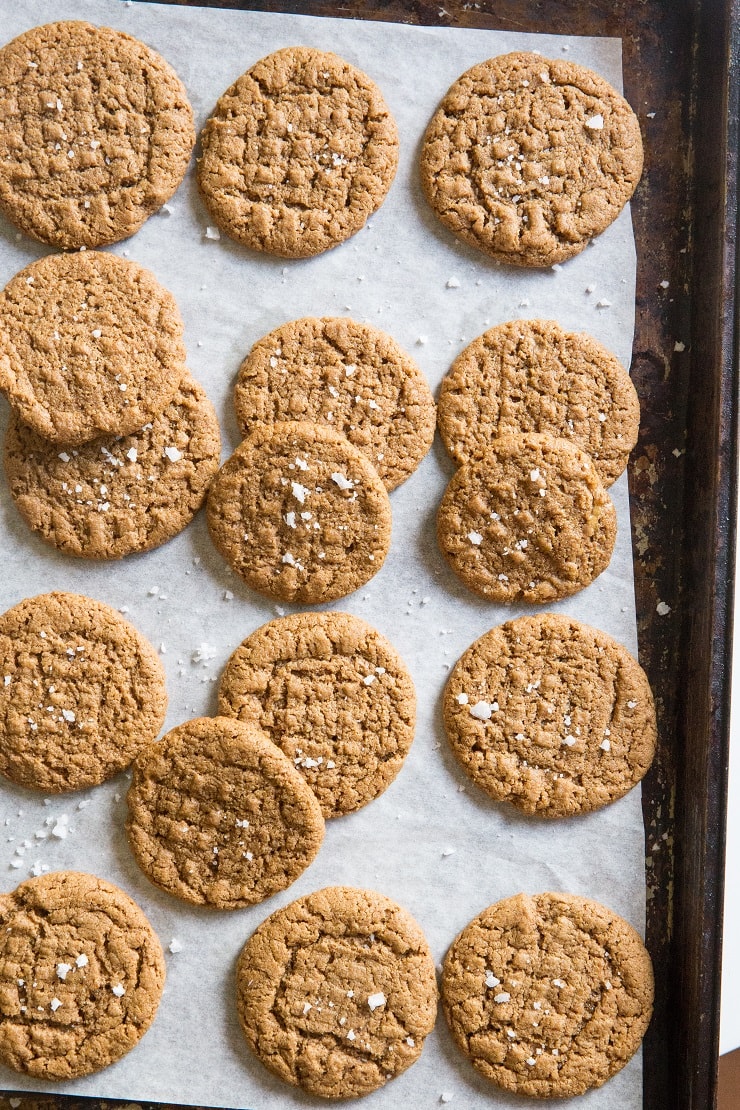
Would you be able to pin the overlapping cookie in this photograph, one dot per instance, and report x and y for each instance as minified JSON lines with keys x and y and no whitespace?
{"x":218,"y":816}
{"x":334,"y":695}
{"x":527,"y":520}
{"x":533,"y":376}
{"x":350,"y":376}
{"x":117,"y":494}
{"x":300,"y":514}
{"x":90,"y":345}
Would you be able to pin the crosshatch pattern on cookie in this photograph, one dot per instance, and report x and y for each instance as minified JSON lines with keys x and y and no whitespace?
{"x":96,"y":133}
{"x":528,"y":158}
{"x":300,"y":513}
{"x":551,"y":715}
{"x":299,"y":152}
{"x":334,"y":695}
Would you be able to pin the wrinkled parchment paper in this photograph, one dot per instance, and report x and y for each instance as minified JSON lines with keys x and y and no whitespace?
{"x":433,"y":841}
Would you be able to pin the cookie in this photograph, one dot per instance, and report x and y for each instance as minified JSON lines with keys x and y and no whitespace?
{"x":528,"y":158}
{"x":82,"y":691}
{"x":551,"y":715}
{"x":117,"y":494}
{"x":531,"y":376}
{"x":81,"y":975}
{"x":529,"y":520}
{"x":96,"y":133}
{"x":219,"y":817}
{"x":299,"y":152}
{"x":349,"y":375}
{"x":336,"y":992}
{"x":90,"y":345}
{"x":300,"y":513}
{"x":334,"y":695}
{"x":548,"y":996}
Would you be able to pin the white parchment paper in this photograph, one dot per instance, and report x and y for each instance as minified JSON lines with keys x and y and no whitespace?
{"x":394,"y":274}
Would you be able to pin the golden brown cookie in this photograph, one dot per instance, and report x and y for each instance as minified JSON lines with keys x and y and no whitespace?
{"x":334,"y":695}
{"x":90,"y":345}
{"x":298,"y":153}
{"x":528,"y":158}
{"x":81,"y":692}
{"x":81,"y":975}
{"x":529,"y":520}
{"x":219,"y":816}
{"x":548,"y":996}
{"x":336,"y":992}
{"x":117,"y":494}
{"x":96,"y":133}
{"x":351,"y":376}
{"x":531,"y":376}
{"x":551,"y":715}
{"x":300,"y":513}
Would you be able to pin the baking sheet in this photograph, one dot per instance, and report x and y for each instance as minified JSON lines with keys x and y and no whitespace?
{"x":433,"y":841}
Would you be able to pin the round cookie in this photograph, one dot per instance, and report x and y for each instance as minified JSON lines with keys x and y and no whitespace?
{"x":336,"y":992}
{"x":299,"y":152}
{"x":81,"y":975}
{"x":531,"y":376}
{"x":219,"y":817}
{"x":352,"y":376}
{"x":81,"y":692}
{"x":334,"y":695}
{"x":548,"y":996}
{"x":529,"y":520}
{"x":90,"y":345}
{"x":551,"y":715}
{"x":300,"y":513}
{"x":96,"y":133}
{"x":528,"y":158}
{"x":117,"y":494}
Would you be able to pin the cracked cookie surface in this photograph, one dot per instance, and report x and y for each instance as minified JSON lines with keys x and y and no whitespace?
{"x":300,"y":513}
{"x":96,"y":133}
{"x":81,"y":692}
{"x":354,"y":377}
{"x":81,"y":975}
{"x":528,"y":158}
{"x":529,"y":520}
{"x":336,"y":992}
{"x":299,"y":152}
{"x":335,"y":697}
{"x":551,"y":715}
{"x":117,"y":494}
{"x":218,"y":816}
{"x":90,"y":344}
{"x":548,"y":996}
{"x":532,"y":376}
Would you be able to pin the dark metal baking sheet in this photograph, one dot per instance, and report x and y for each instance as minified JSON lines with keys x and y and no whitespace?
{"x":682,"y":76}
